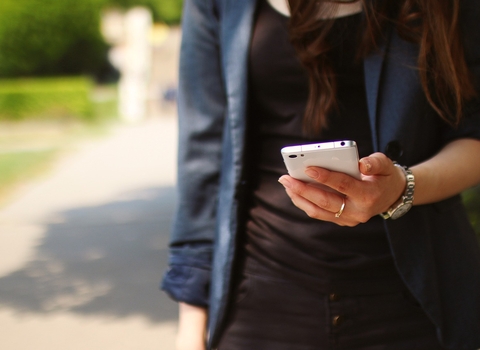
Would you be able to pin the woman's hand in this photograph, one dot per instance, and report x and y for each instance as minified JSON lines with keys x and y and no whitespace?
{"x":382,"y":185}
{"x":192,"y":325}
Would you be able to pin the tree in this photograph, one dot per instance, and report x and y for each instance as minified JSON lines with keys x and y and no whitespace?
{"x":62,"y":37}
{"x":54,"y":37}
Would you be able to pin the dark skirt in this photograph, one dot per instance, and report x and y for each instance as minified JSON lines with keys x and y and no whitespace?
{"x":271,"y":313}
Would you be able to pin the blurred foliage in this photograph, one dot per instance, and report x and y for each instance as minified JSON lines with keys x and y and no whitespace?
{"x":167,"y":11}
{"x":62,"y":37}
{"x":471,"y":199}
{"x":55,"y":37}
{"x":46,"y":98}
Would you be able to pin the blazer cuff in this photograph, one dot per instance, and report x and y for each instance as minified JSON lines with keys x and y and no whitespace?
{"x":188,"y":276}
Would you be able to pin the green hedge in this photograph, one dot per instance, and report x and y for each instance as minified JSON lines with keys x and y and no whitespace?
{"x":46,"y":98}
{"x":167,"y":11}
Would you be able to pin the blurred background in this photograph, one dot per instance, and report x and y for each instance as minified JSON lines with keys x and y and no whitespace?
{"x":87,"y":172}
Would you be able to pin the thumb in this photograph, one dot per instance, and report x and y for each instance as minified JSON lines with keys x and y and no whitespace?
{"x":376,"y":164}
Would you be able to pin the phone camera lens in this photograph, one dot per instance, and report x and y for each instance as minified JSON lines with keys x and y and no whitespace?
{"x":342,"y":143}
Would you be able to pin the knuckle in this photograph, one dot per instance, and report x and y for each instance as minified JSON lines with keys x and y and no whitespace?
{"x":379,"y":156}
{"x":312,"y":213}
{"x":324,"y":203}
{"x":300,"y":190}
{"x":324,"y":176}
{"x":344,"y":185}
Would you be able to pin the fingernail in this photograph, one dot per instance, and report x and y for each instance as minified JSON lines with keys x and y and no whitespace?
{"x":285,"y":182}
{"x":311,"y":173}
{"x":368,"y":165}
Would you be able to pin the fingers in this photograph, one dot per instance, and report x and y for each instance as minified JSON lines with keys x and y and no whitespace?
{"x":364,"y":198}
{"x":340,"y":182}
{"x":325,"y":200}
{"x":315,"y":202}
{"x":376,"y":164}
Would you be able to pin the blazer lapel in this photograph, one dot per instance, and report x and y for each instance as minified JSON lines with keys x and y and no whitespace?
{"x":373,"y":67}
{"x":236,"y":32}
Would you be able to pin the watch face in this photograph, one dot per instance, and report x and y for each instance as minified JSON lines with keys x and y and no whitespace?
{"x":401,"y":210}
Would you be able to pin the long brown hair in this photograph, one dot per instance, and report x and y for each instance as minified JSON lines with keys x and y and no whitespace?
{"x":432,"y":24}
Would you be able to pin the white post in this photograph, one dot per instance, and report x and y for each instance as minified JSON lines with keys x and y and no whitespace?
{"x":135,"y":63}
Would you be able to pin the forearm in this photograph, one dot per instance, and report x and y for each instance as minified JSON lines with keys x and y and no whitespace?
{"x":454,"y":169}
{"x":192,"y":325}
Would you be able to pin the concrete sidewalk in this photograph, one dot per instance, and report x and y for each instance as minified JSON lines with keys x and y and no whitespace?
{"x":83,"y":249}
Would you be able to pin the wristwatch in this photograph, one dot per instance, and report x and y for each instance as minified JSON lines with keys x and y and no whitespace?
{"x":405,"y":203}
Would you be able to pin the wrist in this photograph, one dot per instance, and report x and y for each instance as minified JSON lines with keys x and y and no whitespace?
{"x":405,"y":202}
{"x":192,"y":323}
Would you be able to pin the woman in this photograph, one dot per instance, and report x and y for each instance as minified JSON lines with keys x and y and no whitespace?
{"x":297,"y":267}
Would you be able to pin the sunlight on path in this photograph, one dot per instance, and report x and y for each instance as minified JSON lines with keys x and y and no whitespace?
{"x":82,"y":250}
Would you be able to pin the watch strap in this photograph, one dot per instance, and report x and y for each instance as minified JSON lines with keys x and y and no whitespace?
{"x":408,"y":195}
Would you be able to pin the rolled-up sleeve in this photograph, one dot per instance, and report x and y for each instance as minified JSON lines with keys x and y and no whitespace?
{"x":188,"y":276}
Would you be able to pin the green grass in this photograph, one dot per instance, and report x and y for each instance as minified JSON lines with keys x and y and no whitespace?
{"x":20,"y":166}
{"x":29,"y":147}
{"x":15,"y":166}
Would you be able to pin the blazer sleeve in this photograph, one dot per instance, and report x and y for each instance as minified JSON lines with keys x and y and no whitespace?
{"x":201,"y":108}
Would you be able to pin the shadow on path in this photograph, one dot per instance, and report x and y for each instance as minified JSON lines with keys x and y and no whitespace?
{"x":105,"y":260}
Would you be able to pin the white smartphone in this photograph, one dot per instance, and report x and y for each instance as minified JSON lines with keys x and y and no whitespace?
{"x":341,"y":156}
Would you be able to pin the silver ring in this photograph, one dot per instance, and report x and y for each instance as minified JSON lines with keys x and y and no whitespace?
{"x":337,"y":215}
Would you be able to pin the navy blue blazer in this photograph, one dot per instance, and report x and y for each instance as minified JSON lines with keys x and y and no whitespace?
{"x":434,"y":246}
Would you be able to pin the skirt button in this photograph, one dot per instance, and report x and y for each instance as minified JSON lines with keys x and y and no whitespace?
{"x":334,"y":297}
{"x":338,"y":320}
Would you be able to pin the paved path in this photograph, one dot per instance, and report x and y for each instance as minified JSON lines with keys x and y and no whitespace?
{"x":82,"y":250}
